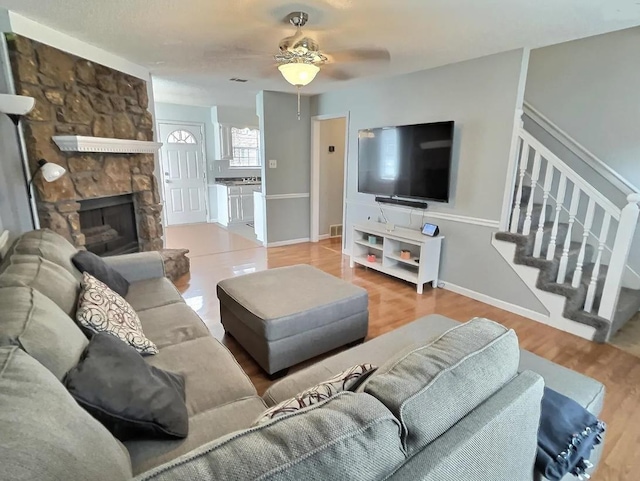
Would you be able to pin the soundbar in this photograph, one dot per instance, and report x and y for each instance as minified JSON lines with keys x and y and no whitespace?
{"x":404,"y":202}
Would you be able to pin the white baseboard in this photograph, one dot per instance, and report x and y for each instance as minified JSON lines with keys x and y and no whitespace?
{"x":324,"y":236}
{"x":492,"y":301}
{"x":288,"y":242}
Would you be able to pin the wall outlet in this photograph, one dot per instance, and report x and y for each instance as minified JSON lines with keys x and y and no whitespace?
{"x":273,"y":164}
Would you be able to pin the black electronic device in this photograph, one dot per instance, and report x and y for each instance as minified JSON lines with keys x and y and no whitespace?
{"x":410,"y":161}
{"x":416,"y":204}
{"x":431,"y":230}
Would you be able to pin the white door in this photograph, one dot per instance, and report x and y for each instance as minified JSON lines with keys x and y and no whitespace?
{"x":183,"y":173}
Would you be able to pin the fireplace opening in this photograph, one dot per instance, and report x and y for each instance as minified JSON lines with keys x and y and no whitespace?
{"x":109,"y":225}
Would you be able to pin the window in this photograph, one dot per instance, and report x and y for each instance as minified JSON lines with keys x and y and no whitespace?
{"x":245,"y":147}
{"x":181,"y":137}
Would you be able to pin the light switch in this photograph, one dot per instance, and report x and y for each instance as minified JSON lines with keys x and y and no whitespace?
{"x":273,"y":164}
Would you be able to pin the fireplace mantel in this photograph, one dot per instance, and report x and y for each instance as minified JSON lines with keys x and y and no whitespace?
{"x":79,"y":143}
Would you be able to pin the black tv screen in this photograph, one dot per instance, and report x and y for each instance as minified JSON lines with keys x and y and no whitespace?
{"x":412,"y":161}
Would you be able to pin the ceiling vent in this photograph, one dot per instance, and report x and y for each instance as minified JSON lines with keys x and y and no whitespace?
{"x":241,"y":80}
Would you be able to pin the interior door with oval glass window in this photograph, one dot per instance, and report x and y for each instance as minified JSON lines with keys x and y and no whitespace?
{"x":183,"y":173}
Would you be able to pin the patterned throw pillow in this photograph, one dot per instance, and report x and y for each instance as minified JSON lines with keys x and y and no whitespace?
{"x":102,"y":310}
{"x":347,"y":380}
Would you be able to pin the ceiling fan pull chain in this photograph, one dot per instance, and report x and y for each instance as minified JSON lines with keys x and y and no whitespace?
{"x":298,"y":87}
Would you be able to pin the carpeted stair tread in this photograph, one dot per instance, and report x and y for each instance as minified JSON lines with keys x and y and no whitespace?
{"x":527,"y":242}
{"x":536,"y":213}
{"x":629,"y":302}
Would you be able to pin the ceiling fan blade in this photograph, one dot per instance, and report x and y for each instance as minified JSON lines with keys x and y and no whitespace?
{"x":335,"y":73}
{"x":360,"y":55}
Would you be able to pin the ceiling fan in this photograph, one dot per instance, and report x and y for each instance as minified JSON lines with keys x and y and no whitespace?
{"x":300,"y":57}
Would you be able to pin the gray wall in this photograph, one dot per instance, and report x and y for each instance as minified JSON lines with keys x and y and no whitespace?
{"x":287,"y":140}
{"x":332,"y":132}
{"x":590,"y":89}
{"x":481,"y":96}
{"x":15,"y":215}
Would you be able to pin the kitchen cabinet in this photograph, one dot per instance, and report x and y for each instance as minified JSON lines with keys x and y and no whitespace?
{"x":235,"y":203}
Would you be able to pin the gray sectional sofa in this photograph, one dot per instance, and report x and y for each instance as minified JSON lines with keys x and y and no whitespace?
{"x":478,"y":420}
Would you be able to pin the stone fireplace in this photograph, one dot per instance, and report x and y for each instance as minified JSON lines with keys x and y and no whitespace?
{"x":75,"y":97}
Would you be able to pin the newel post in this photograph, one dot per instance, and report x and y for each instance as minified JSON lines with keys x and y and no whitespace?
{"x":619,"y":257}
{"x":512,"y":169}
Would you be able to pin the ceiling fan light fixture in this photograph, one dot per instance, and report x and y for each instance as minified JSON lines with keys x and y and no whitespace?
{"x":299,"y":73}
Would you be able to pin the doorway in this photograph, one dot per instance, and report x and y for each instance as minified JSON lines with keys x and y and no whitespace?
{"x":184,"y":181}
{"x":329,"y":147}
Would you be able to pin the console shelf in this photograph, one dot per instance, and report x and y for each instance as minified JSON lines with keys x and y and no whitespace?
{"x":422,"y":267}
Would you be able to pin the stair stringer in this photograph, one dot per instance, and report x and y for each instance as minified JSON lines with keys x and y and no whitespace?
{"x":554,"y":303}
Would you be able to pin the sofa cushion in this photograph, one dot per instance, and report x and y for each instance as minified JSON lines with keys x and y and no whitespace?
{"x":203,"y":428}
{"x":50,"y":246}
{"x":350,"y":436}
{"x":129,"y":397}
{"x":432,"y":387}
{"x":172,"y":324}
{"x":45,"y":434}
{"x":151,"y":293}
{"x":102,"y":310}
{"x":213,"y":376}
{"x":87,"y":261}
{"x":32,"y":321}
{"x":376,"y":351}
{"x":48,"y":278}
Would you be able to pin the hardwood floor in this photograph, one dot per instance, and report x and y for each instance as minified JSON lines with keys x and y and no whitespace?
{"x":393,"y":303}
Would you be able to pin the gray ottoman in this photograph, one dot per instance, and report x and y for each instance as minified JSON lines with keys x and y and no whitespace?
{"x":288,"y":315}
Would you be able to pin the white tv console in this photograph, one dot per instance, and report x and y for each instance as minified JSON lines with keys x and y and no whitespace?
{"x":422,"y":267}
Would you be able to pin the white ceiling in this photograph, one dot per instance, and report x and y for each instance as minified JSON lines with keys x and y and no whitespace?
{"x":193,"y":47}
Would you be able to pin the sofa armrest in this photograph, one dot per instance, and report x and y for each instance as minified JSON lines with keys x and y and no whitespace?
{"x":139,"y":266}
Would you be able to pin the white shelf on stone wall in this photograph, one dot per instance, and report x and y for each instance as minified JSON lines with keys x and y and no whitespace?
{"x":78,"y":143}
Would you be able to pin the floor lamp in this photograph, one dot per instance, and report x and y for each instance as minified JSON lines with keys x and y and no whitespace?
{"x":15,"y":107}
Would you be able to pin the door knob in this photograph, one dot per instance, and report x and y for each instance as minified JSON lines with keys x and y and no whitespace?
{"x":167,"y":174}
{"x":167,"y":181}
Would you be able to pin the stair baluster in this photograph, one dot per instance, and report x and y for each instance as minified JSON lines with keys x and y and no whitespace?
{"x":619,"y":256}
{"x":573,"y":211}
{"x":593,"y":284}
{"x":524,"y":162}
{"x":548,"y":182}
{"x":577,"y":275}
{"x":562,"y":189}
{"x":535,"y":175}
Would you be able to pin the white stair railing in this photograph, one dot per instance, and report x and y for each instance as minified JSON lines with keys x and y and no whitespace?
{"x":619,"y":257}
{"x":597,"y":214}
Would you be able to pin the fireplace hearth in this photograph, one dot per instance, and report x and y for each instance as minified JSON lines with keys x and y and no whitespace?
{"x":109,"y":225}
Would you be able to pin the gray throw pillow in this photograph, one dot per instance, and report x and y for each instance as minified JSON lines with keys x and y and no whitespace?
{"x":87,"y":261}
{"x":128,"y":396}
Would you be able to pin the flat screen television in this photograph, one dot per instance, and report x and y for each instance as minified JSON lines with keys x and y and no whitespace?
{"x":411,"y":161}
